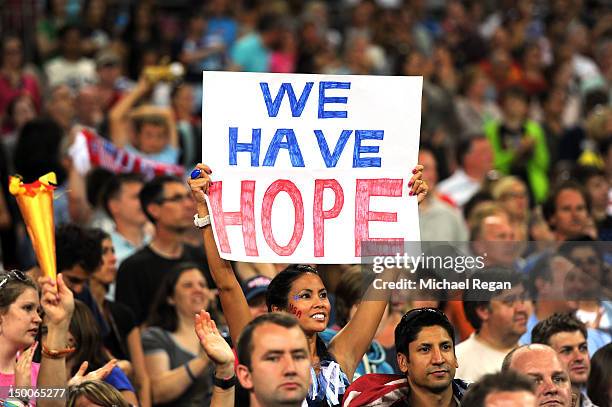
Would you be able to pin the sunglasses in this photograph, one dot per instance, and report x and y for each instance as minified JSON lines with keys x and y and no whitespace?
{"x":175,"y":198}
{"x":306,"y":268}
{"x":16,"y":274}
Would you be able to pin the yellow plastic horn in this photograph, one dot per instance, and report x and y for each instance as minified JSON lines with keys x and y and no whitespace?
{"x":35,"y":202}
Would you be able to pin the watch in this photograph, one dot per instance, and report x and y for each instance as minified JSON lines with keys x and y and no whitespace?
{"x":201,"y":222}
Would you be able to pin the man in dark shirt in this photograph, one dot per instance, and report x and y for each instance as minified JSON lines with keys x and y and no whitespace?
{"x":169,"y":205}
{"x":425,"y":345}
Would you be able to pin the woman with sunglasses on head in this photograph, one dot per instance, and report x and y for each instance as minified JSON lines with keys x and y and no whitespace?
{"x":299,"y":290}
{"x":19,"y":326}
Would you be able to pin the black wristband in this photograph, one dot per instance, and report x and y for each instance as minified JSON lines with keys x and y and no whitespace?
{"x":225,"y":383}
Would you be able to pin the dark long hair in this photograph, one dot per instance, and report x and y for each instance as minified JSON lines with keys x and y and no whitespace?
{"x":162,"y":313}
{"x":277,"y":295}
{"x":98,"y":236}
{"x":88,"y":339}
{"x":38,"y":148}
{"x":278,"y":291}
{"x":598,"y":387}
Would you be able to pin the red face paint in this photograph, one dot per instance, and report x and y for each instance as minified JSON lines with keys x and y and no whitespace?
{"x":293,"y":310}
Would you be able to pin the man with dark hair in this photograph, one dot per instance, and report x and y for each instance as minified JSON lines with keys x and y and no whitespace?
{"x":475,"y":160}
{"x":499,"y":317}
{"x":274,"y":361}
{"x":507,"y":389}
{"x":168,"y":204}
{"x":425,"y":345}
{"x":567,"y":335}
{"x":551,"y":285}
{"x":77,"y":255}
{"x":567,"y":211}
{"x":70,"y":67}
{"x":596,"y":185}
{"x":120,"y":199}
{"x":588,"y":256}
{"x":556,"y":286}
{"x":541,"y":363}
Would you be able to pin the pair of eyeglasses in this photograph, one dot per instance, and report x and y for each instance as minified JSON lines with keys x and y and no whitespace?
{"x":413,"y":313}
{"x":19,"y":275}
{"x":175,"y":198}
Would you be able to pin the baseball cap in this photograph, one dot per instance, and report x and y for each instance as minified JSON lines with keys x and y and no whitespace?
{"x":255,"y":286}
{"x":107,"y":57}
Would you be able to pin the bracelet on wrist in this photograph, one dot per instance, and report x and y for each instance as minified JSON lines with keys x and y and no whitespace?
{"x":56,"y":354}
{"x":225,"y":383}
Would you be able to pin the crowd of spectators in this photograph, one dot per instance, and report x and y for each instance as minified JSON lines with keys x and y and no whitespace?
{"x":515,"y":141}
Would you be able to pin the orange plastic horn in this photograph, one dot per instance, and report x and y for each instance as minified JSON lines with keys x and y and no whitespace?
{"x":35,"y":202}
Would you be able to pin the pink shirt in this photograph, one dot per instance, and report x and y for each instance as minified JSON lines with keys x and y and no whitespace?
{"x":7,"y":380}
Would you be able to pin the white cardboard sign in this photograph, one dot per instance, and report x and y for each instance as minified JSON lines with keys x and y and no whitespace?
{"x":308,"y":167}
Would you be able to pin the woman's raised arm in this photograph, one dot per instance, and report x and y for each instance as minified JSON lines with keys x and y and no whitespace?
{"x":233,"y":301}
{"x":353,"y":341}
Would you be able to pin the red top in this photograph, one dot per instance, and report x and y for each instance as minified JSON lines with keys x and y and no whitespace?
{"x":27,"y":85}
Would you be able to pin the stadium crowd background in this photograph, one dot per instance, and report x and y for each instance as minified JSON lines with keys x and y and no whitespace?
{"x":515,"y":139}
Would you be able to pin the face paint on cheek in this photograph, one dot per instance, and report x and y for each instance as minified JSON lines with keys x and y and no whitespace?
{"x":293,"y":310}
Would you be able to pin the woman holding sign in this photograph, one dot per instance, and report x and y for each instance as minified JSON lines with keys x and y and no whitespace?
{"x":299,"y":290}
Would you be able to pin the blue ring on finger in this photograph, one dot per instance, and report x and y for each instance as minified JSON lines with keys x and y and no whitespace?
{"x":196,"y":173}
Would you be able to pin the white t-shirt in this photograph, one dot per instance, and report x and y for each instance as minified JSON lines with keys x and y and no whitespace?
{"x":477,"y":359}
{"x":588,"y":317}
{"x":459,"y":187}
{"x":73,"y":73}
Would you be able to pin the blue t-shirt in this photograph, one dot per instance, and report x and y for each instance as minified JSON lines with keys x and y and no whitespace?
{"x":213,"y":62}
{"x":225,"y":27}
{"x":169,"y":155}
{"x":119,"y":380}
{"x":250,"y":53}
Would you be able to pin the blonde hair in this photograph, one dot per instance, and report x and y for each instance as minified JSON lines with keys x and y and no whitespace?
{"x":480,"y":212}
{"x":97,"y":392}
{"x":597,"y":122}
{"x":503,"y":185}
